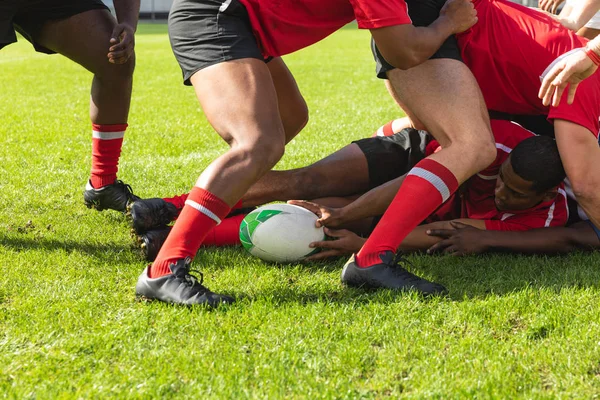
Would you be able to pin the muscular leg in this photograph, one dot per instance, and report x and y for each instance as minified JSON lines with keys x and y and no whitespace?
{"x":240,"y":101}
{"x":292,"y":107}
{"x":84,"y":38}
{"x":445,"y":97}
{"x":342,"y":173}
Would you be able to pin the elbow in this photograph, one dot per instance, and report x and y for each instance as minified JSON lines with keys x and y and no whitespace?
{"x":406,"y":60}
{"x":584,"y":190}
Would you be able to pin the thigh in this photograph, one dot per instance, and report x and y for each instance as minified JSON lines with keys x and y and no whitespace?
{"x":239,"y":100}
{"x":443,"y":94}
{"x":83,"y":38}
{"x":292,"y":107}
{"x":33,"y":18}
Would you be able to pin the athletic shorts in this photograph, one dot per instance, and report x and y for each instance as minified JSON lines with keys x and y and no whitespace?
{"x":422,"y":13}
{"x":208,"y":32}
{"x":389,"y":157}
{"x":29,"y":16}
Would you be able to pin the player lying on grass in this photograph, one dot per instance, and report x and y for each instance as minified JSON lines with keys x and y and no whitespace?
{"x":508,"y":75}
{"x":383,"y":159}
{"x":230,"y":50}
{"x":85,"y":32}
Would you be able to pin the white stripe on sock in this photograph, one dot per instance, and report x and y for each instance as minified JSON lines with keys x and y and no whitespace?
{"x":435,"y":180}
{"x":203,"y":210}
{"x":108,"y":135}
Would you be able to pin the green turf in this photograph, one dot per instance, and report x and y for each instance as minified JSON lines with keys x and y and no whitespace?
{"x":512,"y":327}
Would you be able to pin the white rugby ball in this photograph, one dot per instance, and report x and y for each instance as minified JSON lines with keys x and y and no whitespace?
{"x":280,"y":233}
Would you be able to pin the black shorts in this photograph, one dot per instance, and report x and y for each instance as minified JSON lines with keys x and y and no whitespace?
{"x":29,"y":16}
{"x":537,"y":124}
{"x":208,"y":32}
{"x":389,"y":157}
{"x":422,"y":13}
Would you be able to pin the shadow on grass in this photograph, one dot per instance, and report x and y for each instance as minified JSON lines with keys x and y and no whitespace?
{"x":105,"y":252}
{"x":475,"y":277}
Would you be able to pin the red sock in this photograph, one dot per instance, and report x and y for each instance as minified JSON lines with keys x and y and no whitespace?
{"x":106,"y":149}
{"x":177,"y":201}
{"x":426,"y":186}
{"x":227,"y":233}
{"x":202,"y":212}
{"x":385,"y":130}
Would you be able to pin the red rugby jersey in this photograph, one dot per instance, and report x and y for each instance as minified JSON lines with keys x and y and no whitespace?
{"x":508,"y":51}
{"x":284,"y":26}
{"x":477,"y":201}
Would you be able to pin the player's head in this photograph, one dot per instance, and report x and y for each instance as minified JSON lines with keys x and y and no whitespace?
{"x":530,"y":175}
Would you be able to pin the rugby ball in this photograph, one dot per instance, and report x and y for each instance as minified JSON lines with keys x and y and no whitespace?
{"x":280,"y":233}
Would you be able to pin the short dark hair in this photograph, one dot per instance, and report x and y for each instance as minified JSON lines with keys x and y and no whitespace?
{"x":536,"y":159}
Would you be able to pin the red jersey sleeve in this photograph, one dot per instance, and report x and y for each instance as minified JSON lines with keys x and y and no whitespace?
{"x":546,"y":215}
{"x":371,"y":14}
{"x":585,"y":109}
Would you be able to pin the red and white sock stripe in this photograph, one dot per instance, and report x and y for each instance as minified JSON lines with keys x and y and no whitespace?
{"x":437,"y":175}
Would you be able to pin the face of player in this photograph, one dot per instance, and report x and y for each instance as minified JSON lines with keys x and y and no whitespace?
{"x":515,"y":193}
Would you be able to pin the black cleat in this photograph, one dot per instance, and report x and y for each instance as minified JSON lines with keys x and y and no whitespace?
{"x":149,"y":214}
{"x":115,"y":196}
{"x":388,"y":275}
{"x":151,"y":242}
{"x":179,"y":287}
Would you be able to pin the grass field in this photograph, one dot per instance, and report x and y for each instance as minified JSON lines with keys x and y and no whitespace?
{"x":511,"y":327}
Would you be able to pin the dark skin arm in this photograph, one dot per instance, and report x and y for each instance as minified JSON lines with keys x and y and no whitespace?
{"x":406,"y":46}
{"x":122,"y":39}
{"x":463,"y":240}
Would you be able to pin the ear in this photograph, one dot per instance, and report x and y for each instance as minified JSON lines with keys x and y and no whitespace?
{"x":550,"y":194}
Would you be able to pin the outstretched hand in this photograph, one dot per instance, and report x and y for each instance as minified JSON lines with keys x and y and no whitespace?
{"x":344,"y":242}
{"x":568,"y":72}
{"x":122,"y":43}
{"x":328,"y":216}
{"x":460,"y":241}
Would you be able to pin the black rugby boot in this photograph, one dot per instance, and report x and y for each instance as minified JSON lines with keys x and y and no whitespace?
{"x":115,"y":196}
{"x":179,"y":287}
{"x":388,"y":275}
{"x":151,"y":242}
{"x":149,"y":214}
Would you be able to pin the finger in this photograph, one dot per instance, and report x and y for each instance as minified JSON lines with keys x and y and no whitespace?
{"x":571,"y":94}
{"x":323,"y":244}
{"x":458,"y":224}
{"x":450,"y":250}
{"x":443,"y":233}
{"x":558,"y":94}
{"x":439,"y":246}
{"x":323,"y":255}
{"x":548,"y":87}
{"x":116,"y":33}
{"x":308,"y":205}
{"x":337,"y":233}
{"x":119,"y":54}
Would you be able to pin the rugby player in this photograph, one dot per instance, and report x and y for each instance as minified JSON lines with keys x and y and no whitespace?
{"x":85,"y":32}
{"x":507,"y":51}
{"x":230,"y":50}
{"x":518,"y":203}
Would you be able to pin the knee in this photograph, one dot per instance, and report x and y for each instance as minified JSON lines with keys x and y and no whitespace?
{"x":296,"y":120}
{"x":263,"y":154}
{"x":485,"y":151}
{"x":116,"y":73}
{"x":479,"y":151}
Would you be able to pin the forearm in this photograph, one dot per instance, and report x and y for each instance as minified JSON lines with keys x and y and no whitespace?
{"x":373,"y":203}
{"x":543,"y":240}
{"x":575,"y":18}
{"x":128,"y":12}
{"x":419,"y":240}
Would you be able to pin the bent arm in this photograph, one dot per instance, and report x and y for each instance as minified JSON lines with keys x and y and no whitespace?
{"x":579,"y":152}
{"x":128,"y":12}
{"x":575,"y":18}
{"x":373,"y":203}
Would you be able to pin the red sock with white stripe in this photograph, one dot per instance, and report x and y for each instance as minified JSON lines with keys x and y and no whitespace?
{"x":227,"y":233}
{"x":179,"y":201}
{"x":106,"y":149}
{"x":385,"y":130}
{"x":425,"y":188}
{"x":202,"y":212}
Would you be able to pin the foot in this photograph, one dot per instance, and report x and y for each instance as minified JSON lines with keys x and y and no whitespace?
{"x":388,"y":275}
{"x":149,"y":214}
{"x":151,"y":242}
{"x":115,"y":196}
{"x":179,"y":287}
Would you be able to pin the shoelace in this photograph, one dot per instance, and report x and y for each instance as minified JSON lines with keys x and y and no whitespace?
{"x":399,"y":259}
{"x":185,"y":274}
{"x":127,"y":188}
